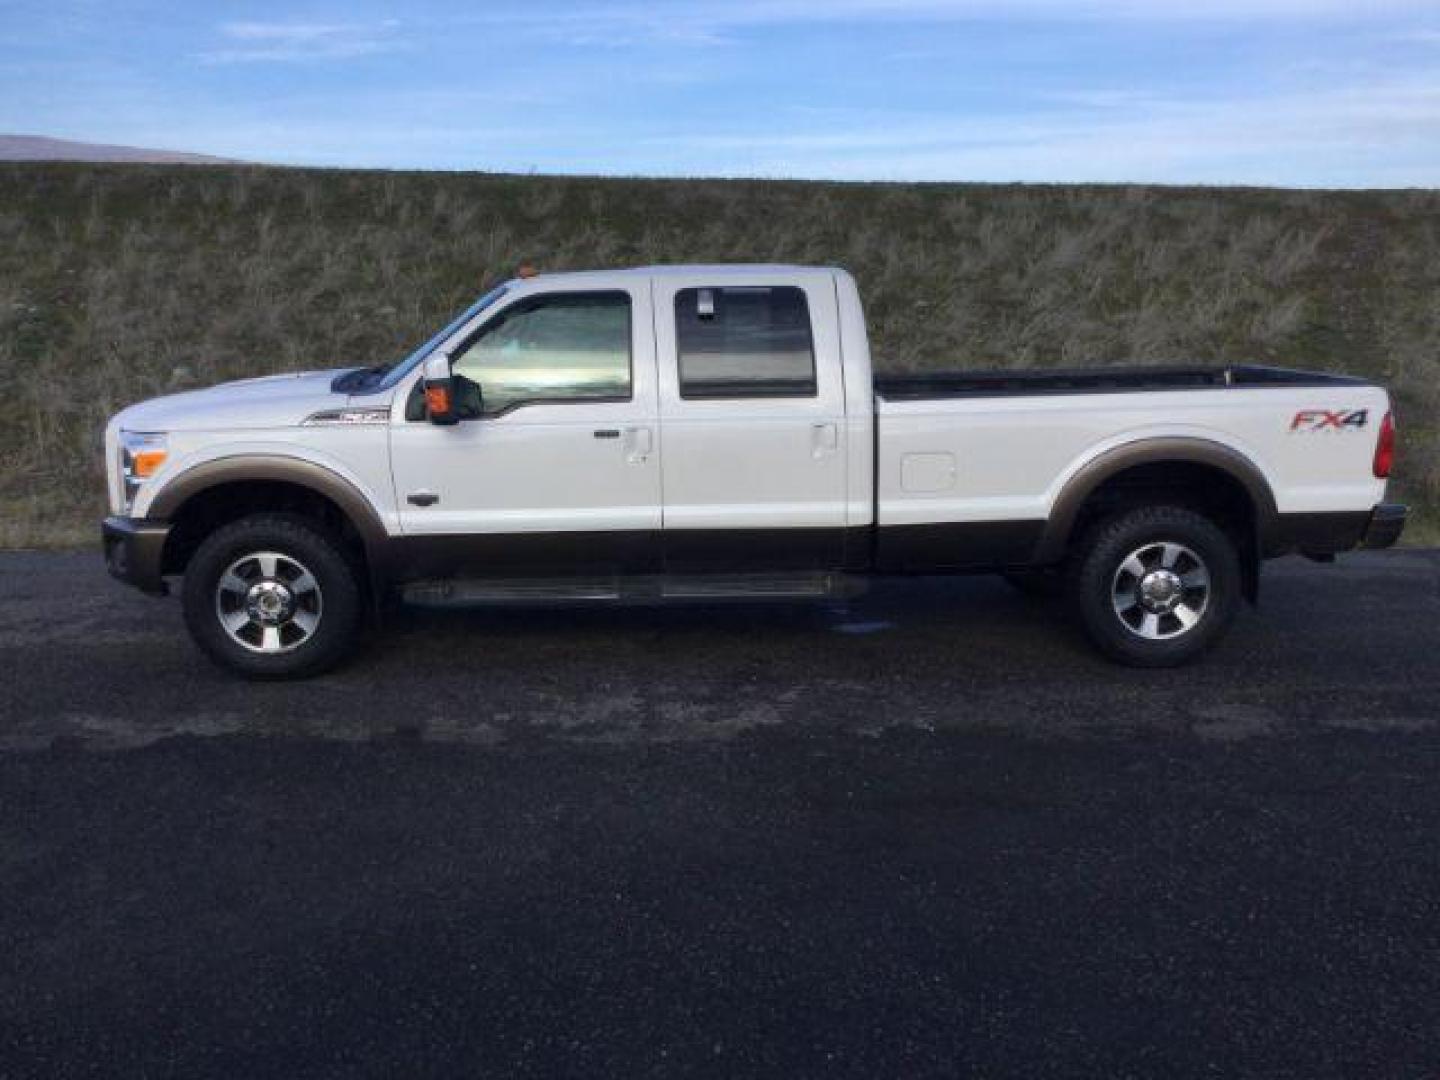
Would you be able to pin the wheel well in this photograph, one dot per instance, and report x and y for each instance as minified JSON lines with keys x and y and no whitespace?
{"x":1206,"y":489}
{"x":205,"y":511}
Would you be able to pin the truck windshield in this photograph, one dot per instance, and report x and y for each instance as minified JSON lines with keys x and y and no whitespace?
{"x":398,"y":371}
{"x":384,"y":376}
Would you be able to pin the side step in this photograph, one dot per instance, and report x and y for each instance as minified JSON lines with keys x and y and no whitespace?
{"x":483,"y":591}
{"x":796,"y":586}
{"x":640,"y":589}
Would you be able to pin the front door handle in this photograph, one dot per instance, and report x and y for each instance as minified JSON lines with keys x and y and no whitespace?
{"x":638,"y":443}
{"x":824,"y":439}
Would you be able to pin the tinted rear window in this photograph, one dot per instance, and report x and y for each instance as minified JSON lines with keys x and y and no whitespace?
{"x":744,"y":342}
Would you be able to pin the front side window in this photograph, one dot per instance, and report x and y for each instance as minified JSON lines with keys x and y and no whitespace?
{"x":744,"y":342}
{"x":555,"y":348}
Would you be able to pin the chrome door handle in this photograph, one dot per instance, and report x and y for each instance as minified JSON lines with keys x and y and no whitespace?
{"x":824,"y":439}
{"x":638,"y":443}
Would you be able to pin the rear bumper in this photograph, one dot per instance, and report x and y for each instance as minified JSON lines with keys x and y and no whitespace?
{"x":134,"y":552}
{"x":1387,"y":522}
{"x":1327,"y":534}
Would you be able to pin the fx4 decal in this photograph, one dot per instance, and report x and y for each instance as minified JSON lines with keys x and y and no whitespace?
{"x":1325,"y":420}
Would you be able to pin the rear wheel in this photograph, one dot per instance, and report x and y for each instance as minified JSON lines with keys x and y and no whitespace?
{"x":272,"y":596}
{"x":1155,"y":586}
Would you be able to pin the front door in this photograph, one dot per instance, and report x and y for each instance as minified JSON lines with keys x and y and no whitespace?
{"x":752,"y":414}
{"x":555,"y":470}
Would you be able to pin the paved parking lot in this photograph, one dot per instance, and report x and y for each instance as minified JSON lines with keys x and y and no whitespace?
{"x":925,"y":834}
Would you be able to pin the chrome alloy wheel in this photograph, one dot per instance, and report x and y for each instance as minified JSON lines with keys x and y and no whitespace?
{"x":1160,"y":591}
{"x":268,"y":602}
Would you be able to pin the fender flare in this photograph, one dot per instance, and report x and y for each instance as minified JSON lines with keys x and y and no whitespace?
{"x":241,"y":468}
{"x":1156,"y":451}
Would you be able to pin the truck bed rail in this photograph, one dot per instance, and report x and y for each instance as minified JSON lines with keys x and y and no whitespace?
{"x":1105,"y":380}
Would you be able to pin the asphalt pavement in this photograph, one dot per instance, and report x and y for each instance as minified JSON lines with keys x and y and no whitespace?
{"x":926,"y":833}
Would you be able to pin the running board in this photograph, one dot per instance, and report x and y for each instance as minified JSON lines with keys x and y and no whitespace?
{"x":641,"y":589}
{"x":465,"y":592}
{"x":748,"y":586}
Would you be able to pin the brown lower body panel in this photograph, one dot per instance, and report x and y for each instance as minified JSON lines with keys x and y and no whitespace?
{"x":134,"y":549}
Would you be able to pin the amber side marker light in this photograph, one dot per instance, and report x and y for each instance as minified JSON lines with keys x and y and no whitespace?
{"x":146,"y":463}
{"x":437,"y":399}
{"x":1385,"y":447}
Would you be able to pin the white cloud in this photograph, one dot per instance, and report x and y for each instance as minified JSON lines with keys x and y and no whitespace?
{"x":1335,"y":137}
{"x":257,"y":42}
{"x":1153,"y":10}
{"x":623,"y":23}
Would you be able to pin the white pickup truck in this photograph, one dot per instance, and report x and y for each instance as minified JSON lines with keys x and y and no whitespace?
{"x":706,"y":432}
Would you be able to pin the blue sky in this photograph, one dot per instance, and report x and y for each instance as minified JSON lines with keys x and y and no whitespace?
{"x":1295,"y":92}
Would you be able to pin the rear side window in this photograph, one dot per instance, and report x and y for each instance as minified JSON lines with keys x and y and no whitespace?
{"x":744,"y":342}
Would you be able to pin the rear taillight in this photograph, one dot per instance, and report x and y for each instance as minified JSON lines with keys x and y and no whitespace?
{"x":1385,"y":447}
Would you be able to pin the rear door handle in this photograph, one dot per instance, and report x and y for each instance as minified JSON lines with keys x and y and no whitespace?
{"x":607,"y":433}
{"x":422,"y":498}
{"x":824,"y":439}
{"x":638,"y":443}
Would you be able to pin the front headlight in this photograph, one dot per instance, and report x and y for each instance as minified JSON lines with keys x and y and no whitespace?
{"x":141,"y":455}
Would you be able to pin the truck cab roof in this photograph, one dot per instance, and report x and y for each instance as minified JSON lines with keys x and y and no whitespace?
{"x":666,"y":270}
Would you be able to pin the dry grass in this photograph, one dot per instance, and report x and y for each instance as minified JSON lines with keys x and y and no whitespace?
{"x":122,"y":282}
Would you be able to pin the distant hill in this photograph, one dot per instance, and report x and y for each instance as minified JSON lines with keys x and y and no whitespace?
{"x":41,"y":148}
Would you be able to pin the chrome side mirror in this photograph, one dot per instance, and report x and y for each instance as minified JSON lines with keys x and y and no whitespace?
{"x":439,"y":389}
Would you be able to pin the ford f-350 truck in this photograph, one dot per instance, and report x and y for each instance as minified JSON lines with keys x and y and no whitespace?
{"x":707,"y":432}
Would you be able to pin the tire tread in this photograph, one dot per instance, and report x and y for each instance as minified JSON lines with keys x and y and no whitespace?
{"x":1091,"y":567}
{"x":325,"y":556}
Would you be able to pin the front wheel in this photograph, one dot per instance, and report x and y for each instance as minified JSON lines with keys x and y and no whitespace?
{"x":271,"y":597}
{"x":1155,"y":586}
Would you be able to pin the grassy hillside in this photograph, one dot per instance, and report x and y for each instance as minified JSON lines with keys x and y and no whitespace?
{"x":122,"y":282}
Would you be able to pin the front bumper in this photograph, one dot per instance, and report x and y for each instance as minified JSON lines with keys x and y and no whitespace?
{"x":134,"y":552}
{"x":1387,"y":522}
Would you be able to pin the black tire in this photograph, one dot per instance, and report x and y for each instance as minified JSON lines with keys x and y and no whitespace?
{"x":1102,"y":579}
{"x":1042,"y":584}
{"x":326,"y":593}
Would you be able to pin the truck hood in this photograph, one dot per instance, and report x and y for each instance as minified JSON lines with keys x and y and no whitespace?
{"x":268,"y":402}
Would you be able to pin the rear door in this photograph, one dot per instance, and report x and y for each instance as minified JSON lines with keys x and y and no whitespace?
{"x":752,"y":416}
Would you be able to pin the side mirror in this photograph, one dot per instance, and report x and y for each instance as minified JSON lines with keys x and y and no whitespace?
{"x":439,"y":389}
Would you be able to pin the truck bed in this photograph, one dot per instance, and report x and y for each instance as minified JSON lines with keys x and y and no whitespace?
{"x":1107,"y":380}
